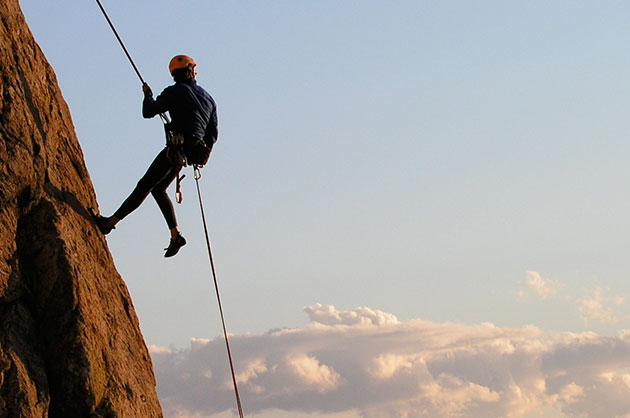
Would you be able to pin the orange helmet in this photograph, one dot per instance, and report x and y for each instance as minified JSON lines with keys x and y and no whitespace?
{"x":180,"y":61}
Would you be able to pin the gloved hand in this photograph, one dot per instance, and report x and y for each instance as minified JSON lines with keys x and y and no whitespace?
{"x":146,"y":88}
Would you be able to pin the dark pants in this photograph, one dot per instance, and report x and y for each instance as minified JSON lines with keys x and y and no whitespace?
{"x":158,"y":177}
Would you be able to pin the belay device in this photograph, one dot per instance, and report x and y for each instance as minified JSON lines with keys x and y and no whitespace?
{"x":177,"y":140}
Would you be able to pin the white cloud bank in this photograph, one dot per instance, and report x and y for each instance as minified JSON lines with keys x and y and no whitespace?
{"x":369,"y":362}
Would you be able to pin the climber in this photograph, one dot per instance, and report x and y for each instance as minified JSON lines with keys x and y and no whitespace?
{"x":194,"y":118}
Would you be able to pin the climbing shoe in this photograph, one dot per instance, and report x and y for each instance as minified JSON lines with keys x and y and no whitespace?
{"x":174,"y":246}
{"x":102,"y":223}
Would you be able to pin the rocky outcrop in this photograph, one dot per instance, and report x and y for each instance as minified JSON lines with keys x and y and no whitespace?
{"x":70,"y":345}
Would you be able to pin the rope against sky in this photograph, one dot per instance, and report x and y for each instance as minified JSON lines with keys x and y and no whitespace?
{"x":197,"y":176}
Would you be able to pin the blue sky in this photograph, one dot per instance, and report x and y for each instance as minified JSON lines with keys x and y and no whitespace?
{"x":452,"y":162}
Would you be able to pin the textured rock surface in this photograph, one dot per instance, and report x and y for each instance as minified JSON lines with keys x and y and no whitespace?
{"x":70,"y":345}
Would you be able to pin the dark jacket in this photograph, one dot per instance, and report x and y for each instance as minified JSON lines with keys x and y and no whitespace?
{"x":193,"y":111}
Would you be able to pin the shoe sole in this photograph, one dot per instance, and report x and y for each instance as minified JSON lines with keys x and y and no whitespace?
{"x":175,"y":250}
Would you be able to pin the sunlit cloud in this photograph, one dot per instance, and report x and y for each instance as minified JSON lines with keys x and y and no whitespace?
{"x":544,"y":288}
{"x":368,"y":362}
{"x":328,"y":315}
{"x":599,"y":306}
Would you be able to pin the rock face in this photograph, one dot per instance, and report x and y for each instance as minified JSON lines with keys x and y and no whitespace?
{"x":70,"y":345}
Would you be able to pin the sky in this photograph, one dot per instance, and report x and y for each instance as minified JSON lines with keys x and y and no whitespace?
{"x":417,"y":209}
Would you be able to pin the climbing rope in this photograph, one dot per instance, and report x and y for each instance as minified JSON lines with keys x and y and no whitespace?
{"x":197,"y":175}
{"x":163,"y":116}
{"x":179,"y":197}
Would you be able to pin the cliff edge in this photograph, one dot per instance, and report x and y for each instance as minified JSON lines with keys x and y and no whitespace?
{"x":70,"y":345}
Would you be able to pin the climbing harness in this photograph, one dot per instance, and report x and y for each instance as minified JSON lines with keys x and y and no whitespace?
{"x":179,"y":198}
{"x":197,"y":175}
{"x":176,"y":157}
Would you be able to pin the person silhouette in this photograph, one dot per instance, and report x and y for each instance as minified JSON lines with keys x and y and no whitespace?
{"x":193,"y":115}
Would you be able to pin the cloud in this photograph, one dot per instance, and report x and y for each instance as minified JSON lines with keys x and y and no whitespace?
{"x":320,"y":377}
{"x":597,"y":306}
{"x":328,"y":315}
{"x":543,"y":287}
{"x":369,"y":362}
